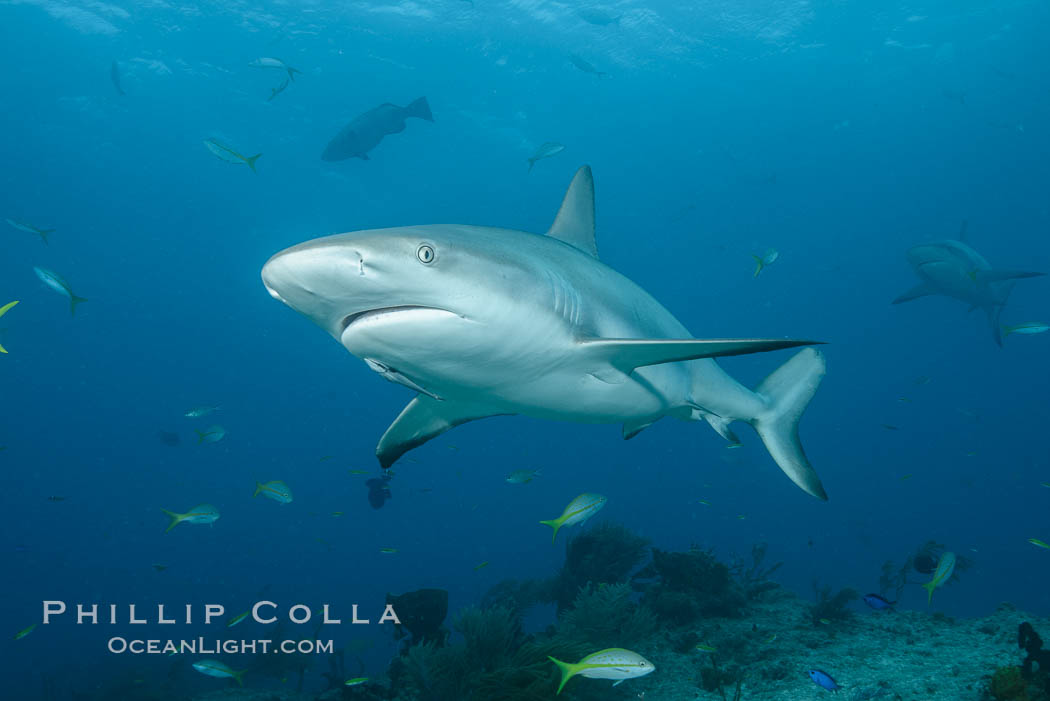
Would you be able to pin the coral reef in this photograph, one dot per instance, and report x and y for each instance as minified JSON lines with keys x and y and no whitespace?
{"x":1007,"y":684}
{"x":604,"y":616}
{"x":606,"y":554}
{"x":830,"y":607}
{"x":422,"y":613}
{"x":756,"y":580}
{"x":690,"y":585}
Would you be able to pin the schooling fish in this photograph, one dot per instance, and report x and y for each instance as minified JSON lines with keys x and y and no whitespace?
{"x":877,"y":602}
{"x":4,"y":309}
{"x":213,"y":434}
{"x":944,"y":571}
{"x":225,"y":153}
{"x":114,"y":75}
{"x":613,"y":663}
{"x":823,"y":679}
{"x":585,"y":66}
{"x":578,"y":511}
{"x":268,"y":62}
{"x":765,"y":260}
{"x":1028,"y":328}
{"x":237,"y":619}
{"x":200,"y":411}
{"x":29,"y":229}
{"x":214,"y":668}
{"x":25,"y":631}
{"x":522,"y":476}
{"x":551,"y":148}
{"x":205,"y":513}
{"x":276,"y":490}
{"x":366,"y":130}
{"x":56,"y":283}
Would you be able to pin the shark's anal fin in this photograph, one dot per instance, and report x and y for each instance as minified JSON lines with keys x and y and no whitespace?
{"x":423,"y":419}
{"x":920,"y":290}
{"x":575,"y":221}
{"x":613,"y":359}
{"x":634,"y":427}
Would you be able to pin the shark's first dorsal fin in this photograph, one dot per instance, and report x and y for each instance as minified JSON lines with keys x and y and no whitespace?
{"x":575,"y":221}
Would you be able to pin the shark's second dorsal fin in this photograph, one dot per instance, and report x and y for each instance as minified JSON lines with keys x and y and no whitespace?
{"x":575,"y":221}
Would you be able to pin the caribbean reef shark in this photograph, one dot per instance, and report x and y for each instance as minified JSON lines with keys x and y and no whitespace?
{"x":485,"y":321}
{"x":953,"y":269}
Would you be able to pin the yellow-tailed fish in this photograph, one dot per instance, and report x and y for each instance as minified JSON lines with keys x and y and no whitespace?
{"x":56,"y":283}
{"x":388,"y":551}
{"x":205,"y":513}
{"x":25,"y":631}
{"x":1028,"y":328}
{"x":225,"y":153}
{"x":276,"y":490}
{"x":358,"y":472}
{"x":765,"y":260}
{"x":615,"y":663}
{"x":1039,"y":543}
{"x":706,"y":648}
{"x":197,"y":412}
{"x":481,"y":565}
{"x":770,"y":639}
{"x":214,"y":668}
{"x":356,"y":681}
{"x":944,"y":571}
{"x":325,"y":458}
{"x":1045,"y":484}
{"x":337,"y":513}
{"x":237,"y":619}
{"x":3,"y":310}
{"x":159,"y":567}
{"x":578,"y":511}
{"x":705,"y":502}
{"x":824,"y":621}
{"x":30,"y":229}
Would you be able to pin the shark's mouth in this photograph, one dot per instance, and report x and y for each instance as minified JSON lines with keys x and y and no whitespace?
{"x":386,"y":311}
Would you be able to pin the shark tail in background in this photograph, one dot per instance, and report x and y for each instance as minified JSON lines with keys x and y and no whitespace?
{"x":788,"y":391}
{"x":292,"y":72}
{"x":420,"y":109}
{"x":251,"y":161}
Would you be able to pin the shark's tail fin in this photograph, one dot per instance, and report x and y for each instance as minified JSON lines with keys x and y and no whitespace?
{"x":788,"y":391}
{"x":419,"y":108}
{"x":73,"y":302}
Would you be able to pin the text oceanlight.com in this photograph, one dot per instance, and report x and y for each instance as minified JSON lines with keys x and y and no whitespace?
{"x":201,"y":646}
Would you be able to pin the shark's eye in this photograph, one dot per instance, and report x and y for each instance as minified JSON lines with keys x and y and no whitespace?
{"x":425,"y":254}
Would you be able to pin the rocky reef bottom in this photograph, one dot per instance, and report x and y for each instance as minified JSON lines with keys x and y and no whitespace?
{"x":767,"y":654}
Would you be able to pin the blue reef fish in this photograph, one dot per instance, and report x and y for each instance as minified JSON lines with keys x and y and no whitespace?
{"x":823,"y":679}
{"x":878,"y":603}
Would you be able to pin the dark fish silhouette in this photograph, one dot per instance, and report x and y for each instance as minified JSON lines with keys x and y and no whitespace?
{"x":379,"y":491}
{"x":168,"y":438}
{"x":114,"y":75}
{"x":274,"y":92}
{"x":366,"y":131}
{"x":585,"y":66}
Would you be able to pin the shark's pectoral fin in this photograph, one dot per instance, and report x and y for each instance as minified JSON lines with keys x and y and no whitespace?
{"x":987,"y":276}
{"x":423,"y":419}
{"x":575,"y":221}
{"x":920,"y":290}
{"x":613,"y":359}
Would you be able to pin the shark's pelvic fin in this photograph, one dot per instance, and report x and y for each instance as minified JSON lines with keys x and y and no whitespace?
{"x":575,"y":221}
{"x":788,"y":391}
{"x":613,"y":359}
{"x":920,"y":290}
{"x":633,"y":428}
{"x":423,"y":419}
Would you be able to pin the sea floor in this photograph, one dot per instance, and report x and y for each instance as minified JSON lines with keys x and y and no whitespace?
{"x":905,"y":655}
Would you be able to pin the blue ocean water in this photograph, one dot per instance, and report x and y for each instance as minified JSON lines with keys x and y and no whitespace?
{"x":839,"y":134}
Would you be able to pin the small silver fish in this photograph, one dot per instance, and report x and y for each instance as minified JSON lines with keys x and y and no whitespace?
{"x":56,"y":283}
{"x":1028,"y":328}
{"x":551,"y":148}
